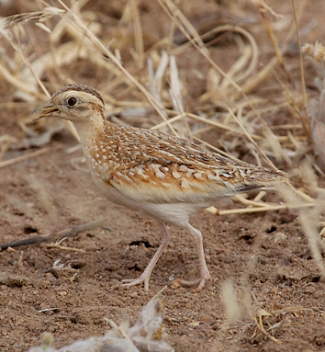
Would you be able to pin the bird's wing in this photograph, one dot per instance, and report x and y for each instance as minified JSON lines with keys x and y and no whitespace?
{"x":159,"y":168}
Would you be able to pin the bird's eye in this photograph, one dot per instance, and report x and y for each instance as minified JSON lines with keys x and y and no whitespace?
{"x":72,"y":101}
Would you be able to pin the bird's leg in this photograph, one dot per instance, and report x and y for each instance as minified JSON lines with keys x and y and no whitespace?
{"x":204,"y":271}
{"x":145,"y":276}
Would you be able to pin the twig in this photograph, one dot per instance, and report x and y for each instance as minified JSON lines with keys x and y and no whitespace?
{"x":260,"y":327}
{"x":69,"y":232}
{"x":278,"y":52}
{"x":53,"y":245}
{"x":302,"y":72}
{"x":138,"y":33}
{"x":215,"y":211}
{"x":215,"y":149}
{"x":269,"y":162}
{"x":25,"y":157}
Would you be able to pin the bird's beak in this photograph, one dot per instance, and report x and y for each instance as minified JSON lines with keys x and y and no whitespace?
{"x":45,"y":110}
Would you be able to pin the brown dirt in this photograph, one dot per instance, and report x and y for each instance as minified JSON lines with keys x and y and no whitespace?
{"x":266,"y":253}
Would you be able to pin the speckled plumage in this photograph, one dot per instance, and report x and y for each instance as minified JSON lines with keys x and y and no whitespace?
{"x":162,"y":175}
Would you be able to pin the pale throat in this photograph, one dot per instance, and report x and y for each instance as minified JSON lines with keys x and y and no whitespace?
{"x":90,"y":129}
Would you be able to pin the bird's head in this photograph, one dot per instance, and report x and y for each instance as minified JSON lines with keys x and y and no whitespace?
{"x":78,"y":103}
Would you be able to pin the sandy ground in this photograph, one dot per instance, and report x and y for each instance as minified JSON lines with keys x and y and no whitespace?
{"x":266,"y":254}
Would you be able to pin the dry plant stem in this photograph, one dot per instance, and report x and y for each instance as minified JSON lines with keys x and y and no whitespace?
{"x":317,"y":168}
{"x":121,"y":330}
{"x":275,"y":138}
{"x":257,"y":79}
{"x":231,"y":28}
{"x":307,"y":219}
{"x":171,"y":120}
{"x":52,"y":76}
{"x":25,"y":157}
{"x":261,"y":75}
{"x":260,"y":327}
{"x":174,"y":13}
{"x":247,"y":294}
{"x":171,"y":37}
{"x":178,"y":15}
{"x":65,"y":248}
{"x":303,"y":195}
{"x":204,"y":120}
{"x":260,"y":195}
{"x":220,"y":125}
{"x":112,"y":57}
{"x":272,"y":36}
{"x":312,"y":236}
{"x":26,"y":62}
{"x":302,"y":72}
{"x":12,"y":80}
{"x":262,"y":209}
{"x":276,"y":147}
{"x":65,"y":25}
{"x":266,"y":109}
{"x":4,"y":149}
{"x":289,"y":126}
{"x":269,"y":162}
{"x":69,"y":232}
{"x":215,"y":148}
{"x":275,"y":44}
{"x":42,"y":196}
{"x":138,"y":33}
{"x":245,"y":201}
{"x":296,"y":111}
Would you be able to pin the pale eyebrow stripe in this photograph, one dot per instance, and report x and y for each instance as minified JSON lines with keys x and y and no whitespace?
{"x":79,"y":88}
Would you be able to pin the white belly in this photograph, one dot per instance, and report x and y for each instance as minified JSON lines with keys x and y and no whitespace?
{"x":173,"y":213}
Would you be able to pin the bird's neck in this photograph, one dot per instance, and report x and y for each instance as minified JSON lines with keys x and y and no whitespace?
{"x":91,"y":134}
{"x":90,"y":130}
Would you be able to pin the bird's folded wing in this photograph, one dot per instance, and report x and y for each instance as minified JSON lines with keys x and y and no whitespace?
{"x":160,"y":168}
{"x":180,"y":183}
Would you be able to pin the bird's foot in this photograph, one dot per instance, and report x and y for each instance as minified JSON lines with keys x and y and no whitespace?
{"x":143,"y":278}
{"x":200,"y":282}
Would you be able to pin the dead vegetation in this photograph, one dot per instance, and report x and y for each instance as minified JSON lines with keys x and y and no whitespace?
{"x":177,"y":75}
{"x":145,"y":335}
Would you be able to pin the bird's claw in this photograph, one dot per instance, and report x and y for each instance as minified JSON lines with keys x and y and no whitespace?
{"x":141,"y":279}
{"x":199,"y":282}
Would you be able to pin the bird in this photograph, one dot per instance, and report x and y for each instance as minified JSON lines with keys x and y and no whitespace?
{"x":164,"y":176}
